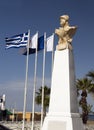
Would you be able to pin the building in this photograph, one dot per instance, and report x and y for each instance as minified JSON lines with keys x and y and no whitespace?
{"x":18,"y":116}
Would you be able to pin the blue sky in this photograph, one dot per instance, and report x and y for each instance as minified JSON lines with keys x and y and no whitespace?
{"x":17,"y":16}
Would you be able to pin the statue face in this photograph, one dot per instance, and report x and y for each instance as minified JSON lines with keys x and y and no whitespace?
{"x":62,"y":22}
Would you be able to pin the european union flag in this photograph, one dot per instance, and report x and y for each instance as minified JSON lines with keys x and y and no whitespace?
{"x":40,"y":43}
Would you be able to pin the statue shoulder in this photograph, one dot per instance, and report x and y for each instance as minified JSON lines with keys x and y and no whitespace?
{"x":72,"y":31}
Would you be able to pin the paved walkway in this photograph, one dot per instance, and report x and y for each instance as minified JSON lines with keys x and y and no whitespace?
{"x":3,"y":127}
{"x":18,"y":126}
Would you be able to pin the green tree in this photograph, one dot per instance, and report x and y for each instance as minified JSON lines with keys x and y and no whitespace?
{"x":38,"y":98}
{"x":84,"y":86}
{"x":91,"y":76}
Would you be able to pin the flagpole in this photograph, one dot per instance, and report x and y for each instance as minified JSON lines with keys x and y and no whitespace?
{"x":42,"y":102}
{"x":34,"y":90}
{"x":26,"y":80}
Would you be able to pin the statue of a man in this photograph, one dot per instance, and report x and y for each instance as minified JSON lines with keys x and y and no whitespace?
{"x":65,"y":33}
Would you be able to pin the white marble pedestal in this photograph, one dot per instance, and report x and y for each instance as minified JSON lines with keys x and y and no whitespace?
{"x":63,"y":109}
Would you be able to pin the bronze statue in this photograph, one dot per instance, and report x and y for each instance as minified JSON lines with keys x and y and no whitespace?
{"x":65,"y":33}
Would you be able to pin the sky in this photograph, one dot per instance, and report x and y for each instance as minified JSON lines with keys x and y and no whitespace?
{"x":17,"y":16}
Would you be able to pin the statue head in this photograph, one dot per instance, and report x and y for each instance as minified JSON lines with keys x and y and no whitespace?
{"x":64,"y":20}
{"x":65,"y":17}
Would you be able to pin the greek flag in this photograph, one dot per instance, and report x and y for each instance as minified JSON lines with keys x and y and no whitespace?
{"x":16,"y":41}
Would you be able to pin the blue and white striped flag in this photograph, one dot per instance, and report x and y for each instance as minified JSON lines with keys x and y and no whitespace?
{"x":16,"y":41}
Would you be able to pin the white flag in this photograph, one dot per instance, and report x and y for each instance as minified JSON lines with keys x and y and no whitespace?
{"x":34,"y":40}
{"x":50,"y":42}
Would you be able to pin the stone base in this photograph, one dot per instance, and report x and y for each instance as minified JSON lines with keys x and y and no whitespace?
{"x":63,"y":122}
